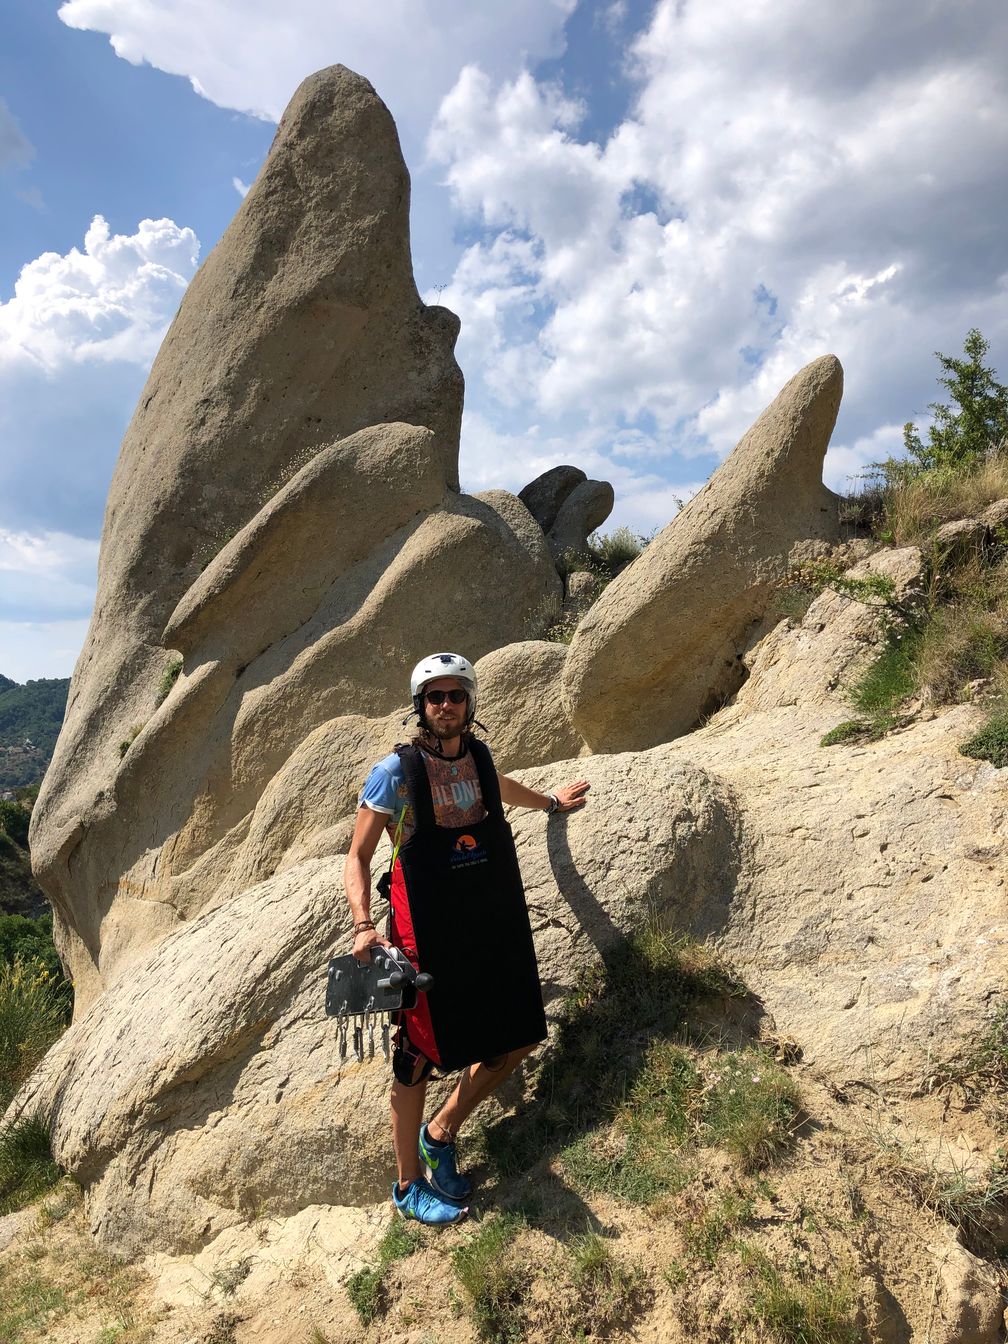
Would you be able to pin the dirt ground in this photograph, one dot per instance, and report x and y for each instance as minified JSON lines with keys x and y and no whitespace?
{"x":848,"y":1205}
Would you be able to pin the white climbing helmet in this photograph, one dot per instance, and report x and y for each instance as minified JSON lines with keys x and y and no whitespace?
{"x":442,"y":665}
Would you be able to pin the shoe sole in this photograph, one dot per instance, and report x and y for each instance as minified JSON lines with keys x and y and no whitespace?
{"x":411,"y":1218}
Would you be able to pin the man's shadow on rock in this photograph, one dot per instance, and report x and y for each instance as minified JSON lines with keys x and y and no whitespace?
{"x":654,"y":985}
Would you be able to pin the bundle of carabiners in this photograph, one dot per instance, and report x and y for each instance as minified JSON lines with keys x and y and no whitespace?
{"x":363,"y":994}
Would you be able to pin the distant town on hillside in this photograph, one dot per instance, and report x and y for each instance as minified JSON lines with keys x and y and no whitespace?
{"x":31,"y":716}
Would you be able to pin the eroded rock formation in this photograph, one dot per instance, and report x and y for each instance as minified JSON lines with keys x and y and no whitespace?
{"x":287,"y":486}
{"x":663,"y":645}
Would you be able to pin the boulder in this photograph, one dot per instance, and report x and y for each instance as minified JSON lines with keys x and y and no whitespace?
{"x":958,"y":542}
{"x":586,"y":508}
{"x":190,"y":782}
{"x":521,"y":705}
{"x":543,"y":496}
{"x":995,"y":516}
{"x":663,"y":646}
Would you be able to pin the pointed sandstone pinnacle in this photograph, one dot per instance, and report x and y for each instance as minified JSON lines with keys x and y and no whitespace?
{"x":302,"y":328}
{"x":662,"y":647}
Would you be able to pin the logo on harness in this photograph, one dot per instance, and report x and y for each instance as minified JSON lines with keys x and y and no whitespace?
{"x":467,"y":852}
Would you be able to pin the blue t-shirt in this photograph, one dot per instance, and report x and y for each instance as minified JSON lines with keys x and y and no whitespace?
{"x":455,"y":791}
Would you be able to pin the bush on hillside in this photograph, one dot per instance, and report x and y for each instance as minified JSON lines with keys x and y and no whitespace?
{"x":32,"y":1018}
{"x":974,"y":427}
{"x":29,"y":940}
{"x":14,"y":821}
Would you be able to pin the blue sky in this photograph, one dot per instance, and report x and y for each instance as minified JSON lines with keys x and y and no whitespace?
{"x":648,"y":217}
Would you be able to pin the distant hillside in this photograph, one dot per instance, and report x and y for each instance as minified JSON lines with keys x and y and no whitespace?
{"x":29,"y":714}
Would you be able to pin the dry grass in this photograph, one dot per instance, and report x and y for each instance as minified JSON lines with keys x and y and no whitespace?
{"x":909,"y":512}
{"x":57,"y":1276}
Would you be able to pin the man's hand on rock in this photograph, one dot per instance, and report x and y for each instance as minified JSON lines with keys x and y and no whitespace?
{"x":572,"y":796}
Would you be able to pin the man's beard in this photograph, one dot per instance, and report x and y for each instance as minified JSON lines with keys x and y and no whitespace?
{"x":453,"y":727}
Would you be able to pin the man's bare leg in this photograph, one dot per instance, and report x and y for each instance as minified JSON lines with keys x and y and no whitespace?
{"x":475,"y":1085}
{"x":407,"y":1113}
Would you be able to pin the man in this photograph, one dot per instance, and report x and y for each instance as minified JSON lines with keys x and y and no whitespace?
{"x":458,"y":911}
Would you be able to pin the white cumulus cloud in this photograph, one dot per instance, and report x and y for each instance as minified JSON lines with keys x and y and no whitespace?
{"x":252,"y":54}
{"x":111,"y":301}
{"x":47,"y":574}
{"x":784,"y":185}
{"x":76,"y":340}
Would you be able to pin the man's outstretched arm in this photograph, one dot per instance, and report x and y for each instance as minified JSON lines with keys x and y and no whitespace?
{"x":569,"y":798}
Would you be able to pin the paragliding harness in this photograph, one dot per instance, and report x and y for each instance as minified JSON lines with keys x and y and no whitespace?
{"x":458,"y":912}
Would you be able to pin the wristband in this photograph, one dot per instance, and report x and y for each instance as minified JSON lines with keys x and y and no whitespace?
{"x":554,"y":805}
{"x":362,"y":925}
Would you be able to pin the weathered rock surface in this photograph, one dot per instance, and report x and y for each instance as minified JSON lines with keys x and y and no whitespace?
{"x":543,"y":496}
{"x":805,"y":663}
{"x":586,"y":508}
{"x":995,"y":515}
{"x":521,"y":705}
{"x":968,"y":1300}
{"x":285,"y":514}
{"x":663,"y":645}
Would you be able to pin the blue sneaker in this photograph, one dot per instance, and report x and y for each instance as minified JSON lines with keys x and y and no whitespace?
{"x":442,"y":1167}
{"x":425,"y":1205}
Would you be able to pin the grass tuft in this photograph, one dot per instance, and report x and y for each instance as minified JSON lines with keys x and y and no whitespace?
{"x":708,"y":1234}
{"x":751,"y":1108}
{"x":493,"y":1280}
{"x":634,"y":1094}
{"x":168,"y":680}
{"x":366,"y":1288}
{"x":990,"y":741}
{"x":27,"y":1169}
{"x":608,"y":1290}
{"x":795,"y":1308}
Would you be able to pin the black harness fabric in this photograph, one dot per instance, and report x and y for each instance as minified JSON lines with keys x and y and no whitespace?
{"x":471,"y":923}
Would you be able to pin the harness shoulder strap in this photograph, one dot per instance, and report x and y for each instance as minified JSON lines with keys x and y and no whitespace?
{"x":487,"y":771}
{"x":417,"y":786}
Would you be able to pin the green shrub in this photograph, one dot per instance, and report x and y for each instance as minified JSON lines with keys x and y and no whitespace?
{"x":963,"y":434}
{"x":27,"y":1169}
{"x":989,"y":742}
{"x":890,"y":679}
{"x":14,"y":821}
{"x":31,"y":940}
{"x":615,"y":550}
{"x":32,"y":1017}
{"x":751,"y":1108}
{"x":168,"y":680}
{"x":493,"y":1280}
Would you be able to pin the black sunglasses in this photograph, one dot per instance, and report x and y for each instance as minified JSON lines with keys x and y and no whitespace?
{"x":439,"y":697}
